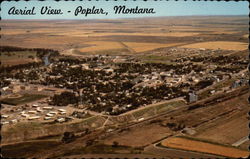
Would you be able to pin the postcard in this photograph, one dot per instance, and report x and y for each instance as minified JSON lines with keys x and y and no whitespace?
{"x":124,"y":79}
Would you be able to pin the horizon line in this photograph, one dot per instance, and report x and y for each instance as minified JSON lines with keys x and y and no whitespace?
{"x":121,"y":18}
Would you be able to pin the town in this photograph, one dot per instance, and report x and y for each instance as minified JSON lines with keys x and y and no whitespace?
{"x":111,"y":85}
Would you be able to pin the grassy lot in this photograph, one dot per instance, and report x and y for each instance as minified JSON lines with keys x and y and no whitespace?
{"x":146,"y":112}
{"x":168,"y":106}
{"x":21,"y":128}
{"x":153,"y":110}
{"x":95,"y":121}
{"x":23,"y":99}
{"x":33,"y":130}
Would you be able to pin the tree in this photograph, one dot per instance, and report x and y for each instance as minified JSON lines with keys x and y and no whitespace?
{"x":68,"y":137}
{"x":64,"y":99}
{"x":90,"y":142}
{"x":115,"y":144}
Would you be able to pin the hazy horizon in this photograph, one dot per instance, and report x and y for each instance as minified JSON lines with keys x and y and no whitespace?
{"x":162,"y":8}
{"x":124,"y":18}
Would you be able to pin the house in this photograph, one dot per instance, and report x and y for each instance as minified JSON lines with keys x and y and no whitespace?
{"x":5,"y":116}
{"x":33,"y":117}
{"x":37,"y":88}
{"x":38,"y":109}
{"x":60,"y":120}
{"x":62,"y":110}
{"x":85,"y":66}
{"x":35,"y":105}
{"x":52,"y":112}
{"x":48,"y":108}
{"x":32,"y":112}
{"x":140,"y":119}
{"x":4,"y":122}
{"x":62,"y":113}
{"x":47,"y":118}
{"x":49,"y":115}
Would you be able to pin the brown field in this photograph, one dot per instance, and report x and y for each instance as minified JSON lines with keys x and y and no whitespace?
{"x":89,"y":34}
{"x":101,"y":45}
{"x":224,"y":32}
{"x":140,"y":136}
{"x":141,"y":47}
{"x":14,"y":32}
{"x":228,"y":132}
{"x":245,"y":145}
{"x":193,"y":145}
{"x":15,"y":62}
{"x":216,"y":123}
{"x":220,"y":122}
{"x":224,"y":45}
{"x":226,"y":128}
{"x":142,"y":34}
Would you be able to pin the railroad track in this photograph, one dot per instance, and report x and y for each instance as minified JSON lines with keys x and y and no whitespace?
{"x":205,"y":102}
{"x":100,"y":134}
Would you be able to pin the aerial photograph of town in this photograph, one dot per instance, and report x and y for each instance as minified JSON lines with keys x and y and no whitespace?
{"x":137,"y":87}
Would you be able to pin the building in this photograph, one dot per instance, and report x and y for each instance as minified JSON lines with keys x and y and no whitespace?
{"x":37,"y":88}
{"x":192,"y":97}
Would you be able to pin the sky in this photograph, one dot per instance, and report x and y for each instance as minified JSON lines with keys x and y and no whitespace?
{"x":162,"y":8}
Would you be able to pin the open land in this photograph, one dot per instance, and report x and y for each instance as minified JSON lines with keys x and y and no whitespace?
{"x":124,"y":87}
{"x":194,"y":145}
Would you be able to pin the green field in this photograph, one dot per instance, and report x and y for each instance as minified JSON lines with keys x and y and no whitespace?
{"x":23,"y":99}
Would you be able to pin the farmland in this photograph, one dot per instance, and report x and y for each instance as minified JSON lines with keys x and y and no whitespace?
{"x":141,"y":47}
{"x":224,"y":45}
{"x":200,"y":146}
{"x":224,"y":134}
{"x":107,"y":35}
{"x":101,"y":45}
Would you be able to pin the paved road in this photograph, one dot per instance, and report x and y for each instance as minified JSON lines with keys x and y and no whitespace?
{"x":241,"y":141}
